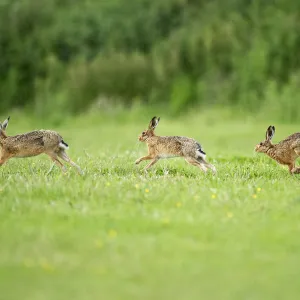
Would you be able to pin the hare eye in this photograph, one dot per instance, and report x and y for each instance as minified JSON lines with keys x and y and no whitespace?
{"x":143,"y":133}
{"x":261,"y":143}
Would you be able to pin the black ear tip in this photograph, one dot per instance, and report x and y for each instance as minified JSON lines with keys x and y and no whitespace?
{"x":8,"y":118}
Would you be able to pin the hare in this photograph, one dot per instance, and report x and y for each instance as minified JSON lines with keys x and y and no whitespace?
{"x":172,"y":146}
{"x":32,"y":144}
{"x":285,"y":152}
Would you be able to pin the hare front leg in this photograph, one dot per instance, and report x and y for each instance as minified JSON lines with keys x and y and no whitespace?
{"x":296,"y":170}
{"x":154,"y":161}
{"x":147,"y":157}
{"x":4,"y":157}
{"x":2,"y":161}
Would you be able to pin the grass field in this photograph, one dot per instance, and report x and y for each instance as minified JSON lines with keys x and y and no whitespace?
{"x":174,"y":233}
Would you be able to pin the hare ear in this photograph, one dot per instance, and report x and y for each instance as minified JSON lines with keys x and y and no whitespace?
{"x":5,"y":123}
{"x":270,"y":132}
{"x":154,"y":122}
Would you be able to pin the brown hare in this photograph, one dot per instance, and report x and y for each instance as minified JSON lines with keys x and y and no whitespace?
{"x":172,"y":146}
{"x":34,"y":143}
{"x":285,"y":152}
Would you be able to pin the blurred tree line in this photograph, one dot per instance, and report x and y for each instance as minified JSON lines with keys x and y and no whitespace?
{"x":65,"y":54}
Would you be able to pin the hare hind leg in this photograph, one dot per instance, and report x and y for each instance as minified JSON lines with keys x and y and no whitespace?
{"x":206,"y":164}
{"x":196,"y":163}
{"x":55,"y":159}
{"x":63,"y":155}
{"x":296,"y":170}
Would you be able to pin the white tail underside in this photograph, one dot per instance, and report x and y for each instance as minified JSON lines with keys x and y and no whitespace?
{"x":200,"y":154}
{"x":63,"y":146}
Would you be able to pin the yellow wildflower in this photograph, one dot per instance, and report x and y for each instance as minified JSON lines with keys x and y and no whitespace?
{"x":45,"y":265}
{"x":166,"y":221}
{"x":112,"y":233}
{"x":229,"y":214}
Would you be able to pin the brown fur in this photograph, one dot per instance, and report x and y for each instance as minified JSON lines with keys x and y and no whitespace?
{"x":32,"y":144}
{"x":285,"y":152}
{"x":172,"y":146}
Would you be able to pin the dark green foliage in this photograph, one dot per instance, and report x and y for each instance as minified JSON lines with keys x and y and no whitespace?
{"x":183,"y":52}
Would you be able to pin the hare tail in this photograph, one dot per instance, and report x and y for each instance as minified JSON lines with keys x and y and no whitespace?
{"x":63,"y":145}
{"x":199,"y":152}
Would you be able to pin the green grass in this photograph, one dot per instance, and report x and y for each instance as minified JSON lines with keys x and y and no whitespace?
{"x":174,"y":233}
